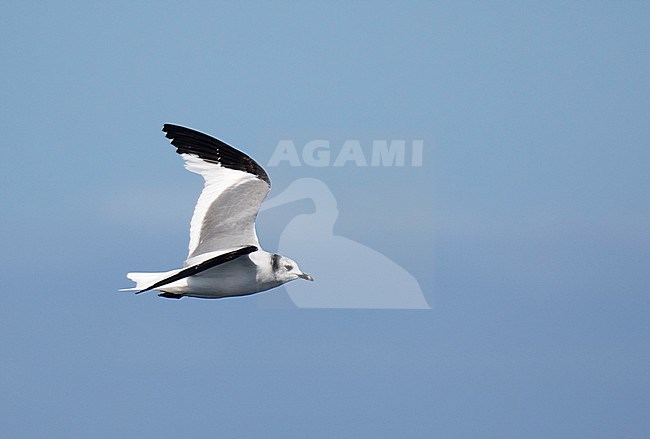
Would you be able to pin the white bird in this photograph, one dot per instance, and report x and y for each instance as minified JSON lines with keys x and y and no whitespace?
{"x":225,"y":258}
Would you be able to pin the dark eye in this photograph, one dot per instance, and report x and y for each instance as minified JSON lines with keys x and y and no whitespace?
{"x":288,"y":267}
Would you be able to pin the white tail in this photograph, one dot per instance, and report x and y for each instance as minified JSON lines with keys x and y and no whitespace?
{"x":144,"y":280}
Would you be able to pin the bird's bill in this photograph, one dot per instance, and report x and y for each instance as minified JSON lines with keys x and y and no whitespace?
{"x":305,"y":276}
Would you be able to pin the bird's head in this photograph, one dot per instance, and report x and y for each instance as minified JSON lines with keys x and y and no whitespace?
{"x":286,"y":269}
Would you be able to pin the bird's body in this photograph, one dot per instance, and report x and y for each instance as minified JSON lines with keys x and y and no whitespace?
{"x":225,"y":258}
{"x":245,"y":275}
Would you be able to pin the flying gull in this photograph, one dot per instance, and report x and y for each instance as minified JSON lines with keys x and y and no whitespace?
{"x":225,"y":258}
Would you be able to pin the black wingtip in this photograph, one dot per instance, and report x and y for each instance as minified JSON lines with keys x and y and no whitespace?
{"x":189,"y":141}
{"x":169,"y":127}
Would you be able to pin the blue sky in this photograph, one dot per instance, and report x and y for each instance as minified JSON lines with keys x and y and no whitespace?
{"x":526,"y":226}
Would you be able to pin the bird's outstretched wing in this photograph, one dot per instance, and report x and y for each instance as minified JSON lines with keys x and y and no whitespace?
{"x":235,"y":186}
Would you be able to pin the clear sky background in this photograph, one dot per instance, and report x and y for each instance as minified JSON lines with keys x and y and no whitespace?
{"x":530,"y":236}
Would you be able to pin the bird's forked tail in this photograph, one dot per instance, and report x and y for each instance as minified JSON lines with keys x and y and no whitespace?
{"x":144,"y":280}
